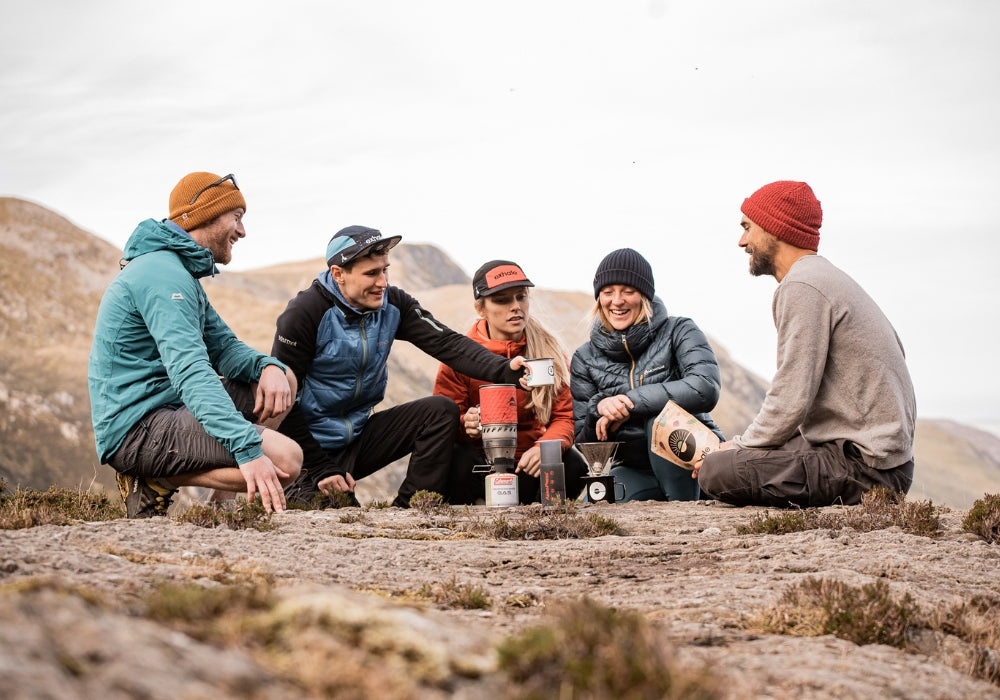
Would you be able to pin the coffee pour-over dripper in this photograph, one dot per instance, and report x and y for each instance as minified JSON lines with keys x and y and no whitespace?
{"x":600,"y":456}
{"x":599,"y":485}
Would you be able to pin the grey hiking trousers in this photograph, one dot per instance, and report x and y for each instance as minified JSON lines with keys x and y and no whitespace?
{"x":796,"y":474}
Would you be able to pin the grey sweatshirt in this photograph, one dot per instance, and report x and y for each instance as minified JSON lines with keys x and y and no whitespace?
{"x":841,"y":369}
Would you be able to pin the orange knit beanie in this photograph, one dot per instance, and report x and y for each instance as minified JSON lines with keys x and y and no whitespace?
{"x":212,"y":195}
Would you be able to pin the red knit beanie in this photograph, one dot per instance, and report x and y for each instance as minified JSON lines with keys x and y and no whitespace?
{"x":788,"y":210}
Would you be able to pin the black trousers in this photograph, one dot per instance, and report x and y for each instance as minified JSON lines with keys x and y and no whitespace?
{"x":423,"y":429}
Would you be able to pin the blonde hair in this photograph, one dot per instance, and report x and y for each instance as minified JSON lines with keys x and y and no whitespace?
{"x":540,"y":342}
{"x":645,"y":314}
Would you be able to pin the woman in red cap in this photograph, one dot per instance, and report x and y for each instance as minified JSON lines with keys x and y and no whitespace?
{"x":505,"y":326}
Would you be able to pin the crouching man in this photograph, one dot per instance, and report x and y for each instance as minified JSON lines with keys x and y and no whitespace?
{"x":162,"y":417}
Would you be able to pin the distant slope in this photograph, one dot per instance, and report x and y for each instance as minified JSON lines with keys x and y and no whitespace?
{"x":52,"y":275}
{"x":955,"y":463}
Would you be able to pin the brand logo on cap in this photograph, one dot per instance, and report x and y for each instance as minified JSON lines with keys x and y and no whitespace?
{"x":504,"y":274}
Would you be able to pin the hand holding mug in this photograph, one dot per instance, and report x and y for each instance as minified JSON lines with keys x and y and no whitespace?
{"x":517,"y":363}
{"x":470,"y":422}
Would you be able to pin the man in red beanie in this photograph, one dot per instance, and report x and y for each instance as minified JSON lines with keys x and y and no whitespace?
{"x":162,"y":419}
{"x":839,"y":417}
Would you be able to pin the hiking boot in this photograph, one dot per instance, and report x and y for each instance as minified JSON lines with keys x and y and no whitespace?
{"x":143,"y":497}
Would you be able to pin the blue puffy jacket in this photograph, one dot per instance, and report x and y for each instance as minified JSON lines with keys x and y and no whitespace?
{"x":158,"y":342}
{"x":340,"y":356}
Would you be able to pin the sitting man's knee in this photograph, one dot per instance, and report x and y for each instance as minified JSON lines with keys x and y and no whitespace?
{"x":711,"y":474}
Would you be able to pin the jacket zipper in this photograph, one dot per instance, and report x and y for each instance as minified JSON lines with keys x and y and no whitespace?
{"x":364,"y":355}
{"x":361,"y":372}
{"x":631,"y":371}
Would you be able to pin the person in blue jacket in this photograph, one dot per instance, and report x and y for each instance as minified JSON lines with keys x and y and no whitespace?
{"x":638,"y":358}
{"x":162,"y":417}
{"x":336,"y":336}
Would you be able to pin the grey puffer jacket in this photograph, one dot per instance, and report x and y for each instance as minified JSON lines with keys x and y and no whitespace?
{"x":668,"y":358}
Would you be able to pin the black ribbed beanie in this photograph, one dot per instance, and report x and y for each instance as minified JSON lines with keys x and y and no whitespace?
{"x":625,"y":266}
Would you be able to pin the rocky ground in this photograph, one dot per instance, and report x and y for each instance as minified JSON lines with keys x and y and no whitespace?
{"x":72,"y":601}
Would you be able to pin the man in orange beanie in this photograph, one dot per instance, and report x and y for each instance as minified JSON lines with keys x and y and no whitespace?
{"x":162,"y":418}
{"x":839,"y":417}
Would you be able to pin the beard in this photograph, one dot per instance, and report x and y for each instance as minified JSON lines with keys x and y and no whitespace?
{"x":762,"y":261}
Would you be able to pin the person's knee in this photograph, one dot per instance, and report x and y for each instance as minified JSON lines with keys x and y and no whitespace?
{"x":711,"y":474}
{"x":286,"y":454}
{"x":441,"y":408}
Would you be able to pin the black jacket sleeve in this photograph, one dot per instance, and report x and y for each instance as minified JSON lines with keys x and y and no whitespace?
{"x":295,"y":333}
{"x":464,"y":355}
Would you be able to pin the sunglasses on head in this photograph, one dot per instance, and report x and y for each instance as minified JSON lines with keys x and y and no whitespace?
{"x":230,"y":177}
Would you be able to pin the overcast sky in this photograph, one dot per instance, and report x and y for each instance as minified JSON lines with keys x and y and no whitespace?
{"x":550,"y":133}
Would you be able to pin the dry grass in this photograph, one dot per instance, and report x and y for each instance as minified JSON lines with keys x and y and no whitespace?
{"x":865,"y":614}
{"x":872,"y":614}
{"x":59,"y":506}
{"x":207,"y":613}
{"x":322,"y":501}
{"x":587,"y":650}
{"x":313,"y":650}
{"x":236,"y":515}
{"x":977,"y":623}
{"x":451,"y":594}
{"x":983,"y":518}
{"x":56,"y":506}
{"x":537,"y":522}
{"x":879,"y":509}
{"x":426,"y":502}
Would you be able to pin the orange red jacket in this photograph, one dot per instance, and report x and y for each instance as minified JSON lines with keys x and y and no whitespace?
{"x":464,"y":391}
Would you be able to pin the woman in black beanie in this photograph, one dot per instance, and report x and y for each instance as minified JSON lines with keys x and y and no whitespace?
{"x":637,"y":359}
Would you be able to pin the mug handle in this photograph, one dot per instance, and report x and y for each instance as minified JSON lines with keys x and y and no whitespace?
{"x":617,"y":497}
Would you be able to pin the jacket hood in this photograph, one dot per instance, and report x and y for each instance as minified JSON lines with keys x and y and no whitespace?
{"x":151,"y":235}
{"x":507,"y":348}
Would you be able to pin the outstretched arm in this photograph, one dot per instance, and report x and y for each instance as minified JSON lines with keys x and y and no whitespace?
{"x":418,"y":326}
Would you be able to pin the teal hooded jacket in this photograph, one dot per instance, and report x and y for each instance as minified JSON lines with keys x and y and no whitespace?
{"x":158,"y":342}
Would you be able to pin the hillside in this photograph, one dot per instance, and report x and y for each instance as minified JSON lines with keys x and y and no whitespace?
{"x":52,"y":275}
